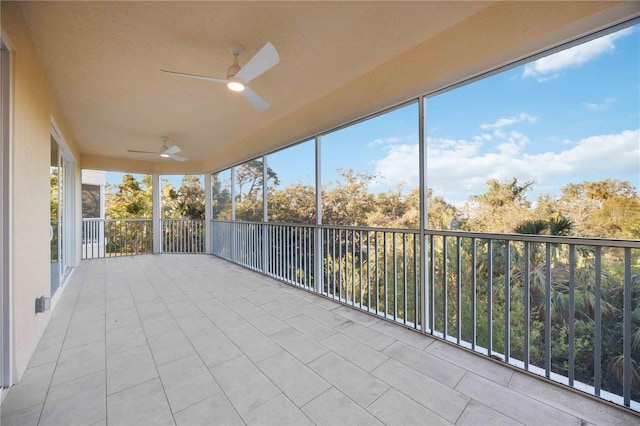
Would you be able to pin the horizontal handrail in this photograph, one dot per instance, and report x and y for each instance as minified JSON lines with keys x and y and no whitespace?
{"x":555,"y":239}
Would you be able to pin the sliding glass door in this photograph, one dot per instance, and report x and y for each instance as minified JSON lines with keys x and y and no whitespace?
{"x":58,"y":172}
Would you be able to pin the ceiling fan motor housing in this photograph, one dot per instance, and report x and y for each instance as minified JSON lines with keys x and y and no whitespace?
{"x":233,"y":70}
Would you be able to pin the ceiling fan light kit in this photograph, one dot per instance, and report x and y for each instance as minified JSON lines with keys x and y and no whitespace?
{"x":238,"y":77}
{"x":235,"y":84}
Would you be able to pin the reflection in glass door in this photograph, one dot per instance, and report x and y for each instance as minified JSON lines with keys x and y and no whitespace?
{"x":57,"y":176}
{"x":54,"y":234}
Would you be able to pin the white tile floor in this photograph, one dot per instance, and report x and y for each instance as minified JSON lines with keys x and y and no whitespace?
{"x":195,"y":340}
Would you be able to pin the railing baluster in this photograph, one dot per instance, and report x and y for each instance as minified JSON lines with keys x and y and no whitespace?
{"x":445,"y":288}
{"x":572,"y":312}
{"x":547,"y":312}
{"x":458,"y":289}
{"x":507,"y":301}
{"x":627,"y":335}
{"x":490,"y":297}
{"x":597,"y":362}
{"x":353,"y":267}
{"x":432,"y":284}
{"x":474,"y":292}
{"x":416,"y":295}
{"x":377,"y":276}
{"x":386,"y":294}
{"x":404,"y":274}
{"x":361,"y":270}
{"x":395,"y":277}
{"x":526,"y":301}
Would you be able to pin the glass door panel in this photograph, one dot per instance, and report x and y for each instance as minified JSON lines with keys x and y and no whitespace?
{"x":54,"y":232}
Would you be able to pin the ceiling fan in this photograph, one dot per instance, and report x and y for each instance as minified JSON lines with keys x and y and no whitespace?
{"x":165,"y":151}
{"x":238,"y":77}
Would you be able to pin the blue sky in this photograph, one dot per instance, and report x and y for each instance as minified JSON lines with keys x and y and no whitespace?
{"x":568,"y":117}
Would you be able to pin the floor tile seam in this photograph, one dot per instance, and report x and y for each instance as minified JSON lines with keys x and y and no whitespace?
{"x":349,"y":398}
{"x":480,"y":356}
{"x":276,"y":385}
{"x":364,"y":342}
{"x":79,"y":377}
{"x":463,"y":410}
{"x":221,"y":391}
{"x":75,"y":305}
{"x":173,"y":413}
{"x":412,"y":397}
{"x":155,"y":365}
{"x":125,"y":350}
{"x":562,"y":388}
{"x":112,"y":394}
{"x":486,"y":406}
{"x":274,"y":397}
{"x":401,"y":361}
{"x":353,"y":365}
{"x":30,"y":407}
{"x":293,"y":355}
{"x":516,"y":391}
{"x":203,"y":362}
{"x":352,"y":339}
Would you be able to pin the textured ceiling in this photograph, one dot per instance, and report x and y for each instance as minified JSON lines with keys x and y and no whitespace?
{"x":103,"y":60}
{"x":338,"y":61}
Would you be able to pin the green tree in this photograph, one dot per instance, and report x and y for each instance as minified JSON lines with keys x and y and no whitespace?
{"x":500,"y":208}
{"x":349,"y":201}
{"x":188,"y":201}
{"x":129,"y":200}
{"x":604,"y":209}
{"x":220,"y":197}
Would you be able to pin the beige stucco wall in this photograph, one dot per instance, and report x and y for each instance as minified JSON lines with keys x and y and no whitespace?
{"x":33,"y":108}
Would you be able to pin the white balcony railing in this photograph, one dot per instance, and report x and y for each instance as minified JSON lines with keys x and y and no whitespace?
{"x":116,"y":237}
{"x":182,"y":235}
{"x":565,"y":308}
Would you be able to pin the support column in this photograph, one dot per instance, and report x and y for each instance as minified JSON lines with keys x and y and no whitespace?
{"x":233,"y":214}
{"x":156,"y":190}
{"x":265,"y":214}
{"x":208,"y":213}
{"x":318,"y":279}
{"x":424,"y":224}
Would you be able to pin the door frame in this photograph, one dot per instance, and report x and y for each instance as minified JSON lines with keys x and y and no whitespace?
{"x":6,"y":335}
{"x":66,"y":242}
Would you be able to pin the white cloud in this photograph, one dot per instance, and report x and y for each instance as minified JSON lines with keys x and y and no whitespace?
{"x":392,"y":140}
{"x":552,"y":66}
{"x":508,"y":121}
{"x":599,"y":106}
{"x":458,"y":168}
{"x":399,"y":166}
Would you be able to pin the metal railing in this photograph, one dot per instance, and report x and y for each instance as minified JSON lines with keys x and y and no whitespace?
{"x":124,"y":237}
{"x":564,"y":308}
{"x":116,"y":237}
{"x":182,"y":236}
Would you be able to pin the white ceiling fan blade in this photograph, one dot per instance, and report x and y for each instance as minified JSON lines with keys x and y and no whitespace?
{"x":255,"y":100}
{"x":178,"y":158}
{"x":141,"y":152}
{"x":173,"y":150}
{"x":266,"y":58}
{"x":200,"y":77}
